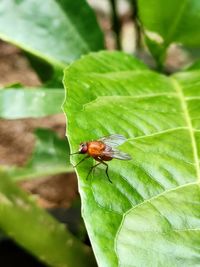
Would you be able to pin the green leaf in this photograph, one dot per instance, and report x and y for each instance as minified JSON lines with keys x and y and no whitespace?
{"x":56,"y":31}
{"x":111,"y":93}
{"x":50,"y":156}
{"x":162,"y":231}
{"x":24,"y":103}
{"x":174,"y":20}
{"x":37,"y":231}
{"x":194,"y":66}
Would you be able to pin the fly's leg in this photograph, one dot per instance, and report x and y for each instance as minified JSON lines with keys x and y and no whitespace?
{"x":101,"y":161}
{"x":81,"y":161}
{"x":91,"y":169}
{"x":107,"y":171}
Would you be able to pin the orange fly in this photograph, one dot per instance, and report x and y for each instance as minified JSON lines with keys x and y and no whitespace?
{"x":103,"y":150}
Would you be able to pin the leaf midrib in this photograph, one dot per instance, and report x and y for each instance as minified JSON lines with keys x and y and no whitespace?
{"x":51,"y":60}
{"x":189,"y":127}
{"x":188,"y":123}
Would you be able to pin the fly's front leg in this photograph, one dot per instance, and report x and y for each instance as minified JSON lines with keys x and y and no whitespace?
{"x":81,"y":161}
{"x":92,"y":168}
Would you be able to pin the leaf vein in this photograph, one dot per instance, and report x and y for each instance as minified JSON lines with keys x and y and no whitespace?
{"x":189,"y":124}
{"x":157,"y":133}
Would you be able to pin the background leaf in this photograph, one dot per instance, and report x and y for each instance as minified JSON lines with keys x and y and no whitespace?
{"x":174,"y":20}
{"x":50,"y":156}
{"x":194,"y":66}
{"x":25,"y":103}
{"x":51,"y":30}
{"x":16,"y":209}
{"x":114,"y":93}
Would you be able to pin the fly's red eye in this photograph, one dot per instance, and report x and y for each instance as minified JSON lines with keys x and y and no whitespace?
{"x":83,"y":148}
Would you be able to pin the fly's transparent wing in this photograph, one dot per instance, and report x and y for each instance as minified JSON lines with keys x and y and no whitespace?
{"x":113,"y":140}
{"x":117,"y":154}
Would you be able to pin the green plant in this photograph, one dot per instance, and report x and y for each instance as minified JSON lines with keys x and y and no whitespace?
{"x":149,"y":215}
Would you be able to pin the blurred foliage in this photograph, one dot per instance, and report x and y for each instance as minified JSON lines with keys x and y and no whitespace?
{"x":50,"y":156}
{"x":51,"y":30}
{"x":37,"y":231}
{"x":174,"y":21}
{"x":52,"y":35}
{"x":30,"y":103}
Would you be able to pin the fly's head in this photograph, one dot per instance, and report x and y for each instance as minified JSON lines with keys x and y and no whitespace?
{"x":83,"y":148}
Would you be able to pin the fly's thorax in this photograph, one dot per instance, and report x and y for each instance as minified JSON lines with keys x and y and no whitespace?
{"x":95,"y":148}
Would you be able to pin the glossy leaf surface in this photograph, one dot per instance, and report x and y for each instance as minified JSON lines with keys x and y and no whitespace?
{"x":135,"y":220}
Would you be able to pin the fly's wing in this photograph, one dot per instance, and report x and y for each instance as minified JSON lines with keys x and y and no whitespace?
{"x":113,"y":140}
{"x":116,"y":154}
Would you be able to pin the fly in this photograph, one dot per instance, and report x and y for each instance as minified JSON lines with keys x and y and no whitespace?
{"x":103,"y":150}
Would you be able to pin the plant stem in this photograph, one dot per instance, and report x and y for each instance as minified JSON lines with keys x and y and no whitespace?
{"x":116,"y":26}
{"x":136,"y":23}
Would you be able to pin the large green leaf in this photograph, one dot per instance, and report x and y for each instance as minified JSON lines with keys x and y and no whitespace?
{"x":56,"y":31}
{"x":174,"y":20}
{"x":50,"y":156}
{"x":37,"y":231}
{"x":24,"y":103}
{"x":113,"y":93}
